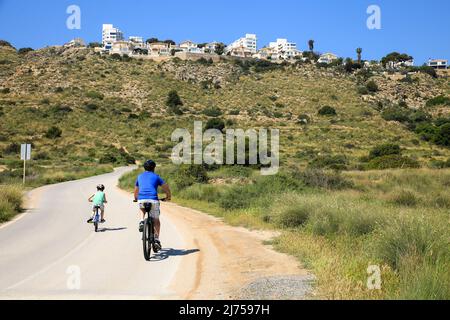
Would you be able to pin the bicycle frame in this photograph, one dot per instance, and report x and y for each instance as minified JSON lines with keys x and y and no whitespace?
{"x":96,"y":219}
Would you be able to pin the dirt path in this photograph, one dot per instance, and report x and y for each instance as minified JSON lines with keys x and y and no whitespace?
{"x":230,"y":259}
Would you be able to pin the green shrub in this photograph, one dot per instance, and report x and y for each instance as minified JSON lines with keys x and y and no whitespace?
{"x":95,"y":95}
{"x":215,"y":123}
{"x":405,"y":198}
{"x":186,"y":176}
{"x":174,"y":103}
{"x":12,"y":148}
{"x":439,"y":100}
{"x":327,"y":111}
{"x":304,"y":119}
{"x":10,"y":202}
{"x":24,"y":51}
{"x":385,"y":150}
{"x":335,"y":162}
{"x":322,"y":179}
{"x":363,"y":91}
{"x":371,"y":86}
{"x":213,"y":112}
{"x":392,"y":162}
{"x":291,"y":212}
{"x":5,"y":90}
{"x":411,"y":237}
{"x":53,"y":133}
{"x":243,"y":196}
{"x":202,"y":192}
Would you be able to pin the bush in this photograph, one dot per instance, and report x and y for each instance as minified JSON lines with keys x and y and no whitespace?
{"x":439,"y":100}
{"x":53,"y":133}
{"x":10,"y":202}
{"x":371,"y":86}
{"x":392,"y":162}
{"x":189,"y":175}
{"x":91,"y":107}
{"x":24,"y":51}
{"x":327,"y":111}
{"x":213,"y":112}
{"x":404,"y":198}
{"x":12,"y":148}
{"x":215,"y":123}
{"x":291,"y":213}
{"x":108,"y":158}
{"x":404,"y":238}
{"x":304,"y":119}
{"x":335,"y":162}
{"x":363,"y":91}
{"x":321,"y":179}
{"x":174,"y":103}
{"x":4,"y":43}
{"x":5,"y":90}
{"x":385,"y":150}
{"x":95,"y":95}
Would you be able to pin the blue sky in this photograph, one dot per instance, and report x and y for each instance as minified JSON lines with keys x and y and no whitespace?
{"x":419,"y":28}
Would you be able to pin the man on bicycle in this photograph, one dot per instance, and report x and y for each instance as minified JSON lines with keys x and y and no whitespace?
{"x":146,"y":191}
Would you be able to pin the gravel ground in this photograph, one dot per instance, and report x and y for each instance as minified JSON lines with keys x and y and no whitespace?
{"x":279,"y":288}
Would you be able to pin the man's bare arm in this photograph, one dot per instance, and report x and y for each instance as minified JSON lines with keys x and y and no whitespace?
{"x":136,"y":193}
{"x":167,"y":191}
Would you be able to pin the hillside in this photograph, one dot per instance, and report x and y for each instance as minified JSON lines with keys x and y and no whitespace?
{"x":114,"y":110}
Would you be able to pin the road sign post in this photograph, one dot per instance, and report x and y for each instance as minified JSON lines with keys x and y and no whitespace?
{"x":25,"y":154}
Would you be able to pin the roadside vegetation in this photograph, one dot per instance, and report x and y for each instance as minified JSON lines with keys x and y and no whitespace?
{"x":10,"y":202}
{"x":338,"y":224}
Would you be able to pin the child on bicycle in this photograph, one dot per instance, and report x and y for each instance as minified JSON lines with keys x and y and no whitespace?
{"x":98,"y":200}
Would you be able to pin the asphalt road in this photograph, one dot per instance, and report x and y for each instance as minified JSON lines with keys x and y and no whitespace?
{"x":52,"y":253}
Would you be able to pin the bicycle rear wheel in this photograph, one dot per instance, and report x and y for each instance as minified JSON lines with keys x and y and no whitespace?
{"x":147,"y":235}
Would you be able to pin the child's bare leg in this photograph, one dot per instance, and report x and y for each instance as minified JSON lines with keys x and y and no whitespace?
{"x":103,"y":214}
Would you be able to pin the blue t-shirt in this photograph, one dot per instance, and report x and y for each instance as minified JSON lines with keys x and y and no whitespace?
{"x":148,"y":183}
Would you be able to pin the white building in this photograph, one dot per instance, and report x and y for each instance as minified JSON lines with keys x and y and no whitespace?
{"x":438,"y":63}
{"x":211,"y":47}
{"x":327,"y":58}
{"x":138,"y":42}
{"x":110,"y":35}
{"x":122,"y":48}
{"x":190,"y":46}
{"x":399,"y":64}
{"x":283,"y":49}
{"x":75,"y":43}
{"x":265,"y":53}
{"x":246,"y":46}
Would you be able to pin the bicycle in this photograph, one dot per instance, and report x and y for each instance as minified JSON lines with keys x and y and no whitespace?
{"x":96,"y":220}
{"x":148,"y":234}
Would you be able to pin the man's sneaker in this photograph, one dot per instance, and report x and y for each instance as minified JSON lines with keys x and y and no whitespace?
{"x":157,"y":246}
{"x":141,"y":226}
{"x":90,"y":220}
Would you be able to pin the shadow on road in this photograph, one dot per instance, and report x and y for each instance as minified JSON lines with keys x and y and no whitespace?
{"x":167,"y":253}
{"x":112,"y":229}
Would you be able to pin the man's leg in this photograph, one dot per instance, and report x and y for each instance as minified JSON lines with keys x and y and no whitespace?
{"x":141,"y":223}
{"x":157,"y":227}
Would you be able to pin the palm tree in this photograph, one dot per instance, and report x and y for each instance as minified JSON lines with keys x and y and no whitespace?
{"x":311,"y":45}
{"x":359,"y":51}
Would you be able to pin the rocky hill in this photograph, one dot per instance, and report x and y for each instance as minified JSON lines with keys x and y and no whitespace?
{"x":111,"y":109}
